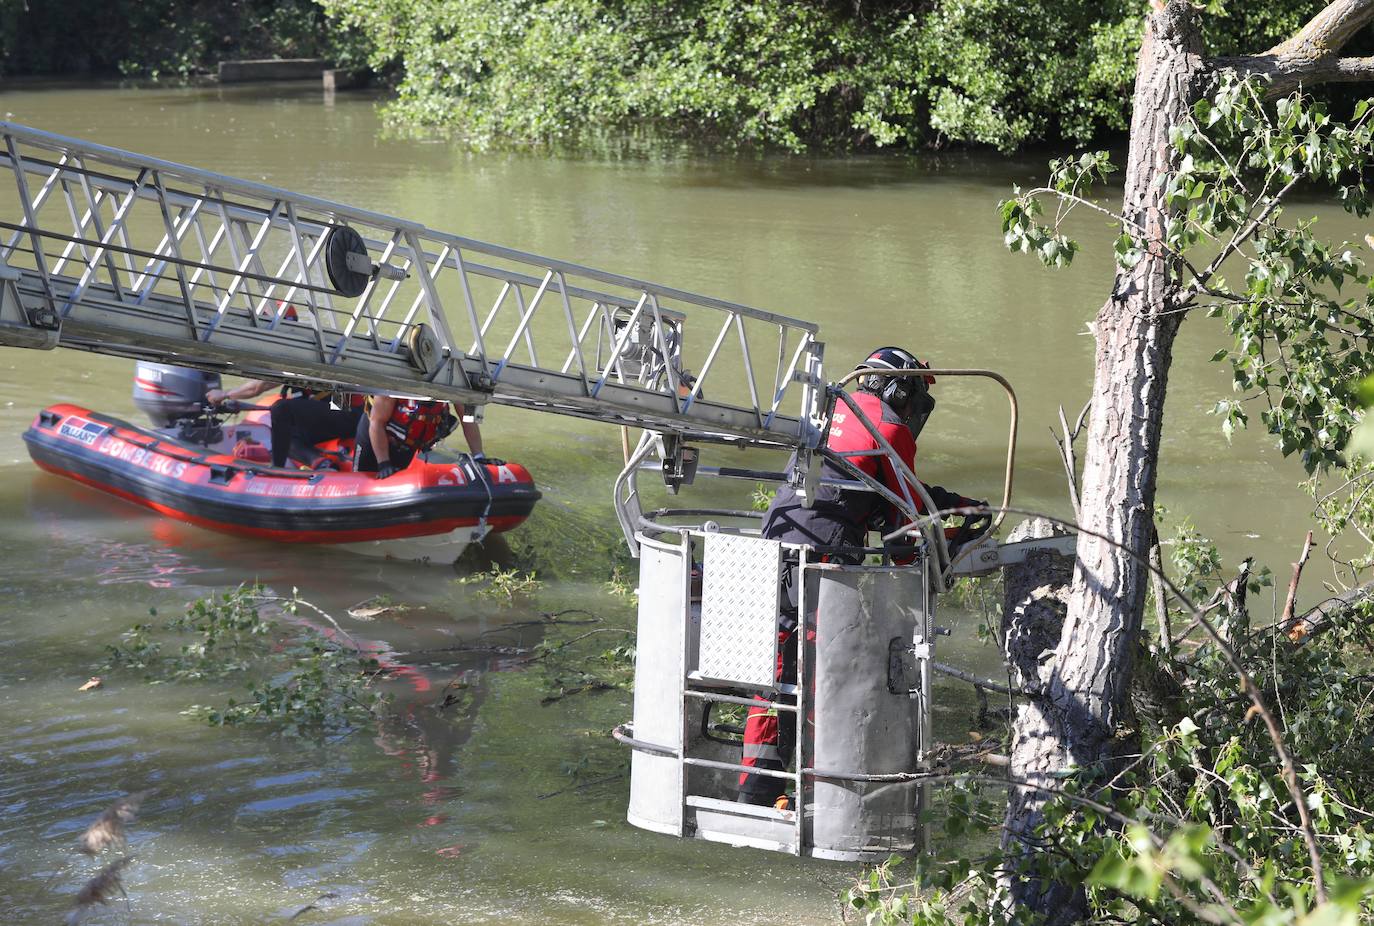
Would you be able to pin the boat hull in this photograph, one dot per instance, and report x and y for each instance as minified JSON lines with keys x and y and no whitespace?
{"x":447,"y":500}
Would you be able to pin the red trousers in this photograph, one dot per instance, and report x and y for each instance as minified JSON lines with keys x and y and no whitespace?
{"x":770,"y":736}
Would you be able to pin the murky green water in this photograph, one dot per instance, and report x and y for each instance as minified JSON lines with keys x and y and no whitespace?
{"x":453,"y":818}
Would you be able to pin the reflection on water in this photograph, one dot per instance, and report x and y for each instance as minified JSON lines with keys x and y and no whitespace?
{"x":91,"y":524}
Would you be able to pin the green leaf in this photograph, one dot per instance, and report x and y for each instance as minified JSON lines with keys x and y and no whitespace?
{"x":1364,"y":391}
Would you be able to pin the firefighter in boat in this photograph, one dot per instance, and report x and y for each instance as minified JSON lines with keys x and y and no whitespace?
{"x":898,"y":406}
{"x":300,"y":419}
{"x":394,"y":430}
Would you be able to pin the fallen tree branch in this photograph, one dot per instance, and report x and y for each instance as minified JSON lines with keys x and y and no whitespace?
{"x":1324,"y":615}
{"x":1292,"y":601}
{"x":1289,"y":771}
{"x":977,"y":682}
{"x":293,"y":601}
{"x":594,"y":685}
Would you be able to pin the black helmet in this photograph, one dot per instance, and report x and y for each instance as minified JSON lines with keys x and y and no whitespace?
{"x":908,"y":396}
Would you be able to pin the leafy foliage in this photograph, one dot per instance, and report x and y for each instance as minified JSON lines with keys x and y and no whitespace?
{"x":505,"y":585}
{"x":296,"y":678}
{"x":796,"y":75}
{"x":1202,"y":826}
{"x":1300,"y":309}
{"x":1198,"y":827}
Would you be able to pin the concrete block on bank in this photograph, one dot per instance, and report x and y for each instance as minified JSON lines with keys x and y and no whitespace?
{"x":345,"y":79}
{"x":231,"y":72}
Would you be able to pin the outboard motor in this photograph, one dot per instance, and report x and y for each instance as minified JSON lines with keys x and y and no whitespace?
{"x":166,"y":393}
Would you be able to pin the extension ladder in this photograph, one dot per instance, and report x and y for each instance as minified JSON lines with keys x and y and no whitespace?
{"x":120,"y":253}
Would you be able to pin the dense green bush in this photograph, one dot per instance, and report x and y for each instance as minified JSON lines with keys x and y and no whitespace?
{"x":804,"y":74}
{"x":796,"y":74}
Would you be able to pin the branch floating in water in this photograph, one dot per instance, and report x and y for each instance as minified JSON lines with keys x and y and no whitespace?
{"x":108,"y":828}
{"x":100,"y":890}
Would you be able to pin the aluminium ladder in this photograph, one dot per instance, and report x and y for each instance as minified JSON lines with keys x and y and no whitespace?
{"x":119,"y":253}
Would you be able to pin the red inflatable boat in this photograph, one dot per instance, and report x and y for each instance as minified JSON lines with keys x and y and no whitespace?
{"x":429,"y":511}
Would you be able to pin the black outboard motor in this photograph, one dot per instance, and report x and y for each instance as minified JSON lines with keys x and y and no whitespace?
{"x":166,"y":393}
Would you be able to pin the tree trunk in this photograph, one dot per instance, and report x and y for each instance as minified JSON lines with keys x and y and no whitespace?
{"x":1085,"y":696}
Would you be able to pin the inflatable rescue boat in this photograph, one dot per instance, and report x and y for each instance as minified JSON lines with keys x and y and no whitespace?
{"x":218,"y":475}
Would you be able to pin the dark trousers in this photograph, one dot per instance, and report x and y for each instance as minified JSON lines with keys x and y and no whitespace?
{"x":309,"y":420}
{"x":366,"y":459}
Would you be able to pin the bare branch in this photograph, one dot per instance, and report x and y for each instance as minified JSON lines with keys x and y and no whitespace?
{"x":1292,"y":601}
{"x":1286,"y":74}
{"x":1327,"y":32}
{"x":1066,"y":452}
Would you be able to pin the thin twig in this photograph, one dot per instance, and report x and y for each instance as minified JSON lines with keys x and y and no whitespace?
{"x":564,"y":645}
{"x":1237,"y":239}
{"x":1066,"y":452}
{"x":318,"y":610}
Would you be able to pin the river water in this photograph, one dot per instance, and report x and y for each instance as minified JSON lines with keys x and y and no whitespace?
{"x":498,"y":811}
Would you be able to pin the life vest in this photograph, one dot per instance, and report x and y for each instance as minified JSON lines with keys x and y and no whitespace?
{"x":418,"y":425}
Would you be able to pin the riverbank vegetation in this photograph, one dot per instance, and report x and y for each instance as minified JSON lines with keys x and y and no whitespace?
{"x":799,"y":75}
{"x":804,"y":75}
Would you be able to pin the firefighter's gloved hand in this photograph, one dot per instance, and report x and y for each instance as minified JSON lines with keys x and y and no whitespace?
{"x":386,"y":470}
{"x":978,"y":524}
{"x":483,"y":460}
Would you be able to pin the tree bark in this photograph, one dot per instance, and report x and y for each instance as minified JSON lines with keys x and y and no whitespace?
{"x":1085,"y":696}
{"x":1328,"y":31}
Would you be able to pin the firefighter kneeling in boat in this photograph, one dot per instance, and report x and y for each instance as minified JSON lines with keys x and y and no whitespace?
{"x":394,"y":430}
{"x":898,"y":406}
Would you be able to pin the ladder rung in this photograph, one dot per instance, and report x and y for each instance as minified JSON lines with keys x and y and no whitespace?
{"x":736,"y":767}
{"x":738,"y":809}
{"x":735,"y":699}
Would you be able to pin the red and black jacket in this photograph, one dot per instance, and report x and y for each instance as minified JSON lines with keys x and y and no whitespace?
{"x":843,"y":517}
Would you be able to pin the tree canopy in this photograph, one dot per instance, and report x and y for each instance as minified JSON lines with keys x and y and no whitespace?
{"x":791,"y":74}
{"x":802,"y":74}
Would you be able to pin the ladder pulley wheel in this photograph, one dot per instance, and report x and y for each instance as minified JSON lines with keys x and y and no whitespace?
{"x":425,"y":352}
{"x":341,"y":244}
